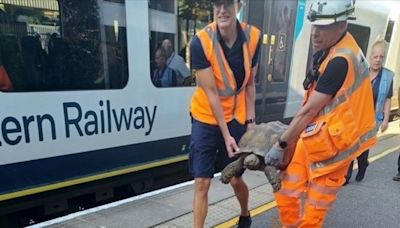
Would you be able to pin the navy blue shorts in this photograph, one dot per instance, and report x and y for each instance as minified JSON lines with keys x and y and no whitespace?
{"x":207,"y":148}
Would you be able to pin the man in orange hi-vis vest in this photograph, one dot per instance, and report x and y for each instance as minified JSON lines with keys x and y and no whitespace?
{"x":335,"y":123}
{"x":225,"y":56}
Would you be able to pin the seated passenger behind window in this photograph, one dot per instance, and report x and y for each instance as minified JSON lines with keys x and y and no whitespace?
{"x":176,"y":62}
{"x":34,"y":62}
{"x":163,"y":76}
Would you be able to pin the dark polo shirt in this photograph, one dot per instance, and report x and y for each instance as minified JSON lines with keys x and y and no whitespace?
{"x":233,"y":55}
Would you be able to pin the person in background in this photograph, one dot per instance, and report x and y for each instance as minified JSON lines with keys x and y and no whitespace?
{"x":382,"y":90}
{"x":397,"y":176}
{"x":175,"y":62}
{"x":225,"y":56}
{"x":163,"y":76}
{"x":335,"y":124}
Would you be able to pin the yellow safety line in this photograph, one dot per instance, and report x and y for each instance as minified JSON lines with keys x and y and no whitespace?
{"x":91,"y":178}
{"x":383,"y":154}
{"x":272,"y":204}
{"x":254,"y":212}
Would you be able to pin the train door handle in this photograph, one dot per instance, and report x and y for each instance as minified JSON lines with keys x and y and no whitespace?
{"x":272,"y":41}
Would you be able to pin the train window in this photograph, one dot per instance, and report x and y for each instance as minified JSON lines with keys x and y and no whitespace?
{"x":361,"y":34}
{"x":116,"y":1}
{"x":170,"y":34}
{"x":389,"y":30}
{"x":57,"y":45}
{"x":163,"y":5}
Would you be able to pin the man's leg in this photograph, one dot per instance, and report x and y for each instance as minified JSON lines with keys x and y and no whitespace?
{"x":294,"y":181}
{"x":398,"y":164}
{"x":242,"y":194}
{"x":349,"y":173}
{"x":200,"y":201}
{"x":237,"y":183}
{"x":202,"y":156}
{"x":397,"y":177}
{"x":362,"y":165}
{"x":321,"y":193}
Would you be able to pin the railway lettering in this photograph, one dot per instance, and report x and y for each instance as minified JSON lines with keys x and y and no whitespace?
{"x":14,"y":131}
{"x":90,"y":122}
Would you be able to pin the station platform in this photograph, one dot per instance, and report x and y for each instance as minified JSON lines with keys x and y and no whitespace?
{"x":374,"y":202}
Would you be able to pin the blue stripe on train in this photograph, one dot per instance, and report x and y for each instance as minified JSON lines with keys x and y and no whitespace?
{"x":299,"y":18}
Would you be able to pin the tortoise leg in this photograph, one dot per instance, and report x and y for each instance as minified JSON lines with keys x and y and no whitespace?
{"x":273,"y":177}
{"x":231,"y":169}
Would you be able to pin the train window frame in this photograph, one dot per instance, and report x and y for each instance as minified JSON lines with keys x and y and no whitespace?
{"x":116,"y":1}
{"x":88,"y":52}
{"x":164,"y":5}
{"x":389,"y":30}
{"x":362,"y":35}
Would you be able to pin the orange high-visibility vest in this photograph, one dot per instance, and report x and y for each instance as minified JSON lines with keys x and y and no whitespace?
{"x":233,"y":99}
{"x":344,"y":128}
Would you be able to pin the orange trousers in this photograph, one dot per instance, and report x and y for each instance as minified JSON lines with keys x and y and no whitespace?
{"x":318,"y":193}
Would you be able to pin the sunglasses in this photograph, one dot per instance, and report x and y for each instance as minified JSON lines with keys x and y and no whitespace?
{"x":226,"y":3}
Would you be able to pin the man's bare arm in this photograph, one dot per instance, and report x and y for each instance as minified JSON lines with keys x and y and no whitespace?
{"x":251,"y":95}
{"x":386,"y":114}
{"x":205,"y":80}
{"x":305,"y":115}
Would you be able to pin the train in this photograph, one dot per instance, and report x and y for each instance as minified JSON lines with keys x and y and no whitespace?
{"x":82,"y":120}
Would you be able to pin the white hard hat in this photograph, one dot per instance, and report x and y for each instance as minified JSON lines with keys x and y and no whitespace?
{"x":325,"y":12}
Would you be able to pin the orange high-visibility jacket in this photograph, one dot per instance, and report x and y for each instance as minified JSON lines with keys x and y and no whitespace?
{"x":344,"y":128}
{"x":233,"y":99}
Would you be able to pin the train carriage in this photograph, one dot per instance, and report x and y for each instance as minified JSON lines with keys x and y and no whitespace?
{"x":84,"y":121}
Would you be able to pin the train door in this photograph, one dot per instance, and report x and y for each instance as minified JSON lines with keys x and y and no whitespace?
{"x":276,"y":19}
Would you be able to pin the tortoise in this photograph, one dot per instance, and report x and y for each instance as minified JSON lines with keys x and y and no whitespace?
{"x":253,"y":146}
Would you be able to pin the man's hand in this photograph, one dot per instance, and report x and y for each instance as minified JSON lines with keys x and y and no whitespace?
{"x":250,"y":126}
{"x":231,"y":146}
{"x":274,"y":156}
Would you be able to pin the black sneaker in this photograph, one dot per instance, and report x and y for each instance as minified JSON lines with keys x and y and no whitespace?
{"x":397,"y":177}
{"x":244,"y":222}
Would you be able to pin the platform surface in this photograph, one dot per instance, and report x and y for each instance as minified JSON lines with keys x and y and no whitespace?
{"x":375,"y":202}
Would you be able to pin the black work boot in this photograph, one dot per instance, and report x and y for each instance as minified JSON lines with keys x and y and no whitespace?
{"x":397,"y":177}
{"x":360,"y":175}
{"x":361,"y":172}
{"x":244,"y":221}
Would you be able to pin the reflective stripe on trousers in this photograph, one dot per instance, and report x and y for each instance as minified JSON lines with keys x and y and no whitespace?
{"x":320,"y":193}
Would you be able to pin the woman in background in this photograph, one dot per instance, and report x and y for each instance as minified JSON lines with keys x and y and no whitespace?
{"x":382,"y":88}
